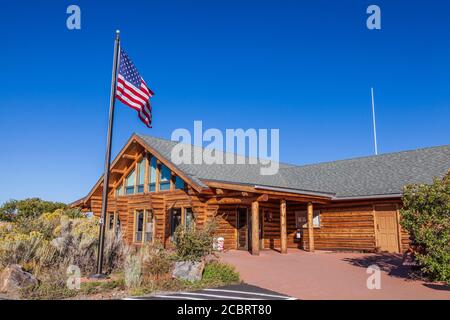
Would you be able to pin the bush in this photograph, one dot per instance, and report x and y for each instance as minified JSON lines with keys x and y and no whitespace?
{"x":54,"y":239}
{"x":32,"y":207}
{"x":133,"y":271}
{"x":220,"y":273}
{"x":52,"y":285}
{"x":193,"y":244}
{"x":426,"y":216}
{"x":156,"y":261}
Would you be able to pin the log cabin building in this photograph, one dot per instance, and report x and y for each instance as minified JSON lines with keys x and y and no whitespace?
{"x":341,"y":205}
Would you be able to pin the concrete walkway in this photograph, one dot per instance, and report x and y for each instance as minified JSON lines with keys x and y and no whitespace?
{"x":329,"y":275}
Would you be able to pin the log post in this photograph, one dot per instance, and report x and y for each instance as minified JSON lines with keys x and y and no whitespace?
{"x":255,"y":228}
{"x":310,"y":228}
{"x":283,"y":232}
{"x":146,"y":173}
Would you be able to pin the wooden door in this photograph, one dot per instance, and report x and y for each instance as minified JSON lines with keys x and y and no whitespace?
{"x":242,"y":228}
{"x":387,"y":231}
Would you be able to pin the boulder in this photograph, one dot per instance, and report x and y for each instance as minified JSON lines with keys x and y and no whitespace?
{"x":188,"y":270}
{"x":13,"y":279}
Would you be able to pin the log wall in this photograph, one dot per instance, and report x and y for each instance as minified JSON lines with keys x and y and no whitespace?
{"x":343,"y":226}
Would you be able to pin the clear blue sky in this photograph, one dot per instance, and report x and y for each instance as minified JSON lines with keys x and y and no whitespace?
{"x":305,"y":67}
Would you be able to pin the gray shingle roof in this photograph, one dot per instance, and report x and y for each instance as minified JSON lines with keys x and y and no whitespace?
{"x":384,"y":174}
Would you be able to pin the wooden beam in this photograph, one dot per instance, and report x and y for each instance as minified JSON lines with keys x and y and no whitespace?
{"x":136,"y":169}
{"x":158,"y":175}
{"x":129,"y":156}
{"x":283,"y":232}
{"x":263,"y":198}
{"x":118,"y":171}
{"x":146,"y":173}
{"x":310,"y":227}
{"x":232,"y":194}
{"x":288,"y":196}
{"x":172,"y":181}
{"x":255,"y":228}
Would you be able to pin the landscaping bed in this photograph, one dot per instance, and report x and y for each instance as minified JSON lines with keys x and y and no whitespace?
{"x":51,"y":255}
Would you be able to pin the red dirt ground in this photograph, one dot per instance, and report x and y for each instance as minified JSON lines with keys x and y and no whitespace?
{"x":331,"y":275}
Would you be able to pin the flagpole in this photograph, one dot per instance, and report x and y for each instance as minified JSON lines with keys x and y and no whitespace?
{"x":374,"y":123}
{"x":112,"y":100}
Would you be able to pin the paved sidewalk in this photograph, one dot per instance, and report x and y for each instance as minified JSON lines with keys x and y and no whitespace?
{"x":330,"y":275}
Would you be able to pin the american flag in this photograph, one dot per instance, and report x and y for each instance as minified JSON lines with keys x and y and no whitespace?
{"x":132,"y":89}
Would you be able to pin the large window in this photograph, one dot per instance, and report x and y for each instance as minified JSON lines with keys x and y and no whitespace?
{"x":144,"y":225}
{"x":164,"y":182}
{"x":152,"y":175}
{"x":134,"y":182}
{"x":129,"y":183}
{"x":141,"y":176}
{"x":179,"y":183}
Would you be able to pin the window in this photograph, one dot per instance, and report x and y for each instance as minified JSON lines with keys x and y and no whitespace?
{"x":119,"y":191}
{"x":152,"y":175}
{"x":129,"y":182}
{"x":113,"y":221}
{"x":138,"y":225}
{"x":144,"y":226}
{"x":179,"y":183}
{"x":301,"y":219}
{"x":175,"y":220}
{"x":189,"y":218}
{"x":141,"y":176}
{"x":179,"y":216}
{"x":110,"y":221}
{"x":149,"y":224}
{"x":164,"y":183}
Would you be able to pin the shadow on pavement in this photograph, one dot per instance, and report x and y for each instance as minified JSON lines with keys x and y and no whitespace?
{"x":389,"y":263}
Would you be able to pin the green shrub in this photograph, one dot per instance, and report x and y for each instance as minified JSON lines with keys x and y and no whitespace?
{"x":156,"y":261}
{"x":32,"y":207}
{"x":221,"y":273}
{"x":194,"y":244}
{"x":426,"y":216}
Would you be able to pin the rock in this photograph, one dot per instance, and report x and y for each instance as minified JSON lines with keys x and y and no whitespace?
{"x":13,"y":279}
{"x":188,"y":270}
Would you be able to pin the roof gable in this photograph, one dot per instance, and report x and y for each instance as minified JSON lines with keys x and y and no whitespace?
{"x":367,"y":176}
{"x":384,"y":174}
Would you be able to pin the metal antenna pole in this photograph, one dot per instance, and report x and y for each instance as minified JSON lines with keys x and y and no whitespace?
{"x":374,"y":123}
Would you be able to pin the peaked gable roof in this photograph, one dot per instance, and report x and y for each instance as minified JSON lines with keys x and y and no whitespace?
{"x":384,"y":174}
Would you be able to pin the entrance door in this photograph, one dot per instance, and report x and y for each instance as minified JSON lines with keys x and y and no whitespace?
{"x":242,"y":229}
{"x":387,"y":231}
